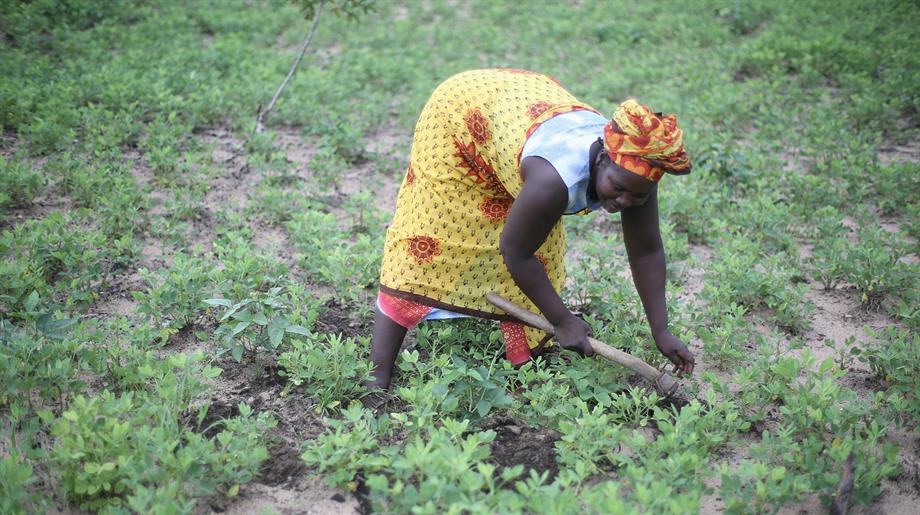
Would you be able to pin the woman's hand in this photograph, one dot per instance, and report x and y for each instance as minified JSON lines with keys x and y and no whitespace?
{"x":573,"y":334}
{"x":676,"y":351}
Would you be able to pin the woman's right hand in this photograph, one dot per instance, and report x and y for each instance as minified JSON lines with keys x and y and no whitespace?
{"x":573,"y":334}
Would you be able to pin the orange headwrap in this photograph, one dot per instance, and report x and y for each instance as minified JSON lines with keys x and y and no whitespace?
{"x":646,"y":143}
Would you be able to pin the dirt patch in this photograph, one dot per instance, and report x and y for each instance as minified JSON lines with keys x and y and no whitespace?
{"x":51,"y":200}
{"x":283,"y":465}
{"x":297,"y":149}
{"x":235,"y":179}
{"x":694,"y":272}
{"x":306,"y":496}
{"x":282,"y":485}
{"x":517,"y":444}
{"x":907,"y":153}
{"x":839,"y":316}
{"x":338,"y":319}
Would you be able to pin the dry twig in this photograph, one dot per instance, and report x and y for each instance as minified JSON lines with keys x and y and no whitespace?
{"x":260,"y":126}
{"x":841,"y":502}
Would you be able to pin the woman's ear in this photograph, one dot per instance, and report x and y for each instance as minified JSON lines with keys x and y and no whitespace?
{"x":601,"y":159}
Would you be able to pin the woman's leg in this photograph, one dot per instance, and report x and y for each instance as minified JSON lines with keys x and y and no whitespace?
{"x":385,"y":343}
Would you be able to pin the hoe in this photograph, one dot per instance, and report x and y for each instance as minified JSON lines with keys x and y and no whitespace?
{"x":664,"y":383}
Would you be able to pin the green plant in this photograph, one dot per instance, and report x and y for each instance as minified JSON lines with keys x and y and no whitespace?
{"x":243,"y":268}
{"x":40,"y":365}
{"x":742,"y":273}
{"x":331,"y":381}
{"x":173,"y":296}
{"x":131,"y":449}
{"x":16,"y":475}
{"x":893,"y":357}
{"x":478,"y":389}
{"x":725,"y":342}
{"x":60,"y":251}
{"x":445,"y":472}
{"x":755,"y":487}
{"x":349,"y":447}
{"x":259,"y":323}
{"x":590,"y":444}
{"x":874,"y":267}
{"x":18,"y":183}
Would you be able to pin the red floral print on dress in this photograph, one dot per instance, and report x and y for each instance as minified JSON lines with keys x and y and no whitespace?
{"x":495,"y":208}
{"x":538,"y":108}
{"x":410,"y":174}
{"x":478,"y":125}
{"x":478,"y":168}
{"x":423,"y":248}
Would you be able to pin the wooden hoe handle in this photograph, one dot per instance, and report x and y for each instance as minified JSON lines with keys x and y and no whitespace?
{"x":664,"y":383}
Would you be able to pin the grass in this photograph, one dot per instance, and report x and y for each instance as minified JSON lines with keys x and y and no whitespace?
{"x":132,"y":190}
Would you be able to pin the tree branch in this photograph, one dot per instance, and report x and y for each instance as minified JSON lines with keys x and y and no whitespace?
{"x":260,"y":126}
{"x":847,"y":477}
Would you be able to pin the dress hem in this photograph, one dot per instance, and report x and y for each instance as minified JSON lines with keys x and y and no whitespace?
{"x":421,"y":299}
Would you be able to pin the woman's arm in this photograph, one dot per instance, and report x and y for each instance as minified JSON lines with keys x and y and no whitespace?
{"x":534,"y":213}
{"x":642,"y":237}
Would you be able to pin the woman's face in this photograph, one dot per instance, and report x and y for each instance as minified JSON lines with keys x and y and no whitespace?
{"x":618,"y":189}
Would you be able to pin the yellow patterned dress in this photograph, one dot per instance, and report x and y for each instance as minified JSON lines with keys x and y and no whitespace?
{"x":442,"y":249}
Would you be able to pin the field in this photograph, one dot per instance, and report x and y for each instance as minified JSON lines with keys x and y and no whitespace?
{"x":185,"y":304}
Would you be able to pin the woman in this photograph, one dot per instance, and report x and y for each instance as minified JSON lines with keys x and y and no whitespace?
{"x":498,"y":157}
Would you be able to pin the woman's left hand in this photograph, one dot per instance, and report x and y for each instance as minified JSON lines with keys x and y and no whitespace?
{"x":676,"y":351}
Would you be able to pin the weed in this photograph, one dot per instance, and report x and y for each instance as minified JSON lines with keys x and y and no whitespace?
{"x":173,"y":297}
{"x":331,"y":381}
{"x":130,"y":449}
{"x":19,"y":184}
{"x":258,"y":323}
{"x":893,"y":357}
{"x":348,"y":448}
{"x":445,"y":472}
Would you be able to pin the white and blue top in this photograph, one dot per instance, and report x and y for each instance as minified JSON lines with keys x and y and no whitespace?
{"x":565,"y":141}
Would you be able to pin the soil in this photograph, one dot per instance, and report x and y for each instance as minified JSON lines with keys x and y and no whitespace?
{"x":336,"y":318}
{"x":518,"y":444}
{"x":306,"y":495}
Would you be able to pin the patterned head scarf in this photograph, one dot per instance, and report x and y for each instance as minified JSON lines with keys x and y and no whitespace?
{"x":646,"y":143}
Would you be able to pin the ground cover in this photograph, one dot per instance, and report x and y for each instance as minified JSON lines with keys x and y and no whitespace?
{"x":185,"y":306}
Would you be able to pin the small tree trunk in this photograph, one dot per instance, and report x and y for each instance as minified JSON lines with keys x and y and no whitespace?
{"x":260,"y":126}
{"x":841,"y":502}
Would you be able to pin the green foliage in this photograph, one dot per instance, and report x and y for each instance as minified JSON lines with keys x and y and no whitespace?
{"x":243,"y":268}
{"x":895,"y":357}
{"x":348,"y":265}
{"x":349,"y":9}
{"x":348,"y":448}
{"x":329,"y":366}
{"x":113,"y":115}
{"x":741,"y":272}
{"x":40,"y":365}
{"x":590,"y":443}
{"x":725,"y":342}
{"x":57,"y":251}
{"x":547,"y":396}
{"x":755,"y":487}
{"x":445,"y":473}
{"x":15,"y":477}
{"x":116,"y":450}
{"x":261,"y":322}
{"x":173,"y":296}
{"x":18,"y":183}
